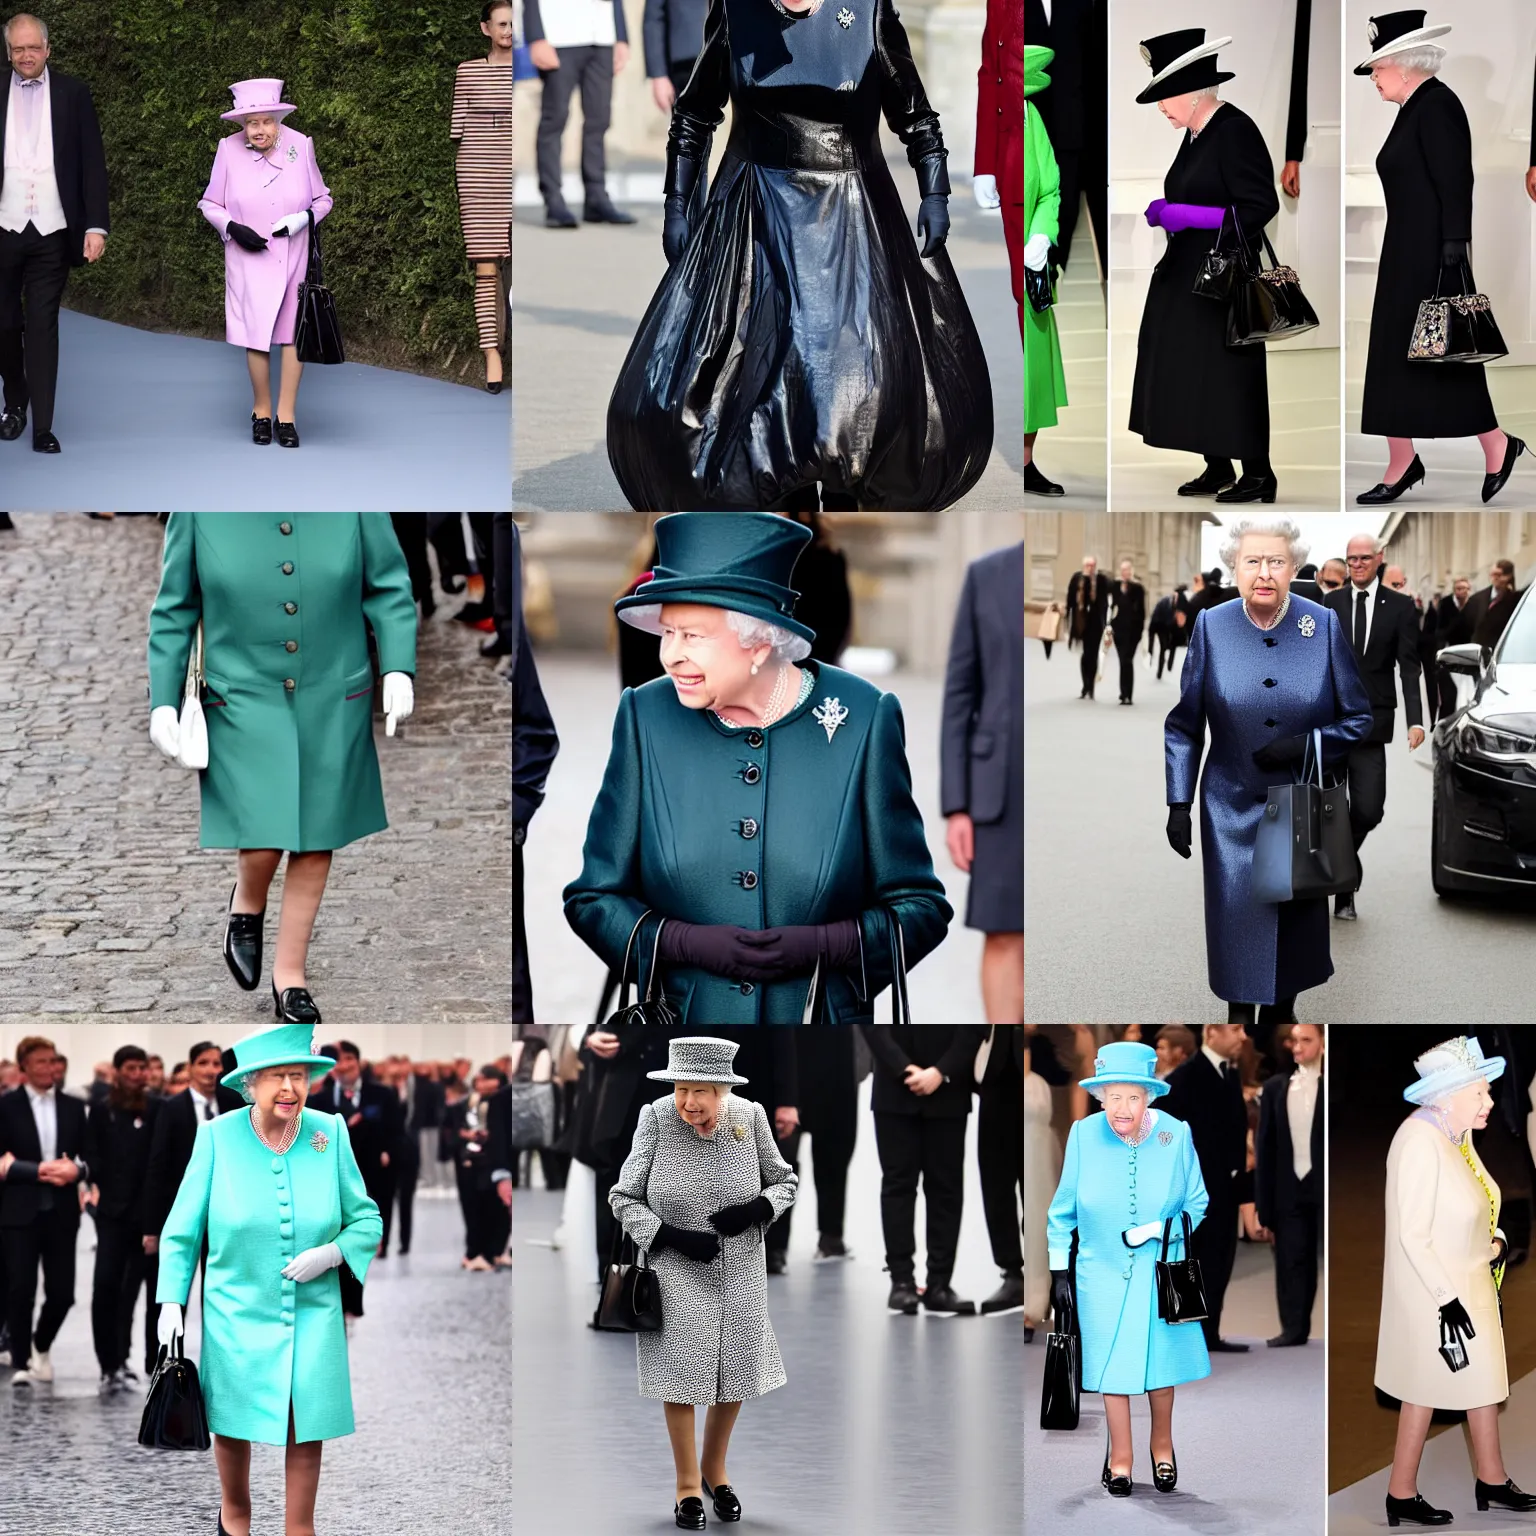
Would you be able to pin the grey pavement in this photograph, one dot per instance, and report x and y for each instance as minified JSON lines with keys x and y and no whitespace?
{"x":887,"y":1425}
{"x":153,"y":423}
{"x":431,"y":1364}
{"x":1116,"y":919}
{"x":580,"y":297}
{"x":583,"y":693}
{"x":106,"y":903}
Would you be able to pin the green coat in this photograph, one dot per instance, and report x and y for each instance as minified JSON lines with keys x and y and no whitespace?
{"x":267,"y":1341}
{"x":286,"y":601}
{"x":1045,"y":382}
{"x":760,"y":829}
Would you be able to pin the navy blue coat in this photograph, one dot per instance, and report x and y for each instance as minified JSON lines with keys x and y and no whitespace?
{"x":672,"y":30}
{"x":1252,"y":687}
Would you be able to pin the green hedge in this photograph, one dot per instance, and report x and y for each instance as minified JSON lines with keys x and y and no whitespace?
{"x":373,"y":84}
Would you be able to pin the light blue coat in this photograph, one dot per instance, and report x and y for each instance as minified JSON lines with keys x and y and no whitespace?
{"x":1106,"y":1188}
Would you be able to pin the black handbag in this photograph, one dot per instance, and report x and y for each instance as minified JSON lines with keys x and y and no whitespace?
{"x":1037,"y":288}
{"x":1218,"y":271}
{"x":1266,"y":303}
{"x":631,"y":1299}
{"x":1180,"y":1290}
{"x":175,"y":1418}
{"x":653,"y":1008}
{"x":1062,"y":1384}
{"x":1304,"y":848}
{"x":317,"y":338}
{"x":901,"y":1009}
{"x":1453,"y":1349}
{"x":1456,"y":328}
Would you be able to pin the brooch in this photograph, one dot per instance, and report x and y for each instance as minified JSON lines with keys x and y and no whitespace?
{"x":319,"y":1141}
{"x":829,"y":714}
{"x":293,"y":154}
{"x":739,"y":1132}
{"x":1165,"y":1138}
{"x":845,"y":18}
{"x":1307,"y":625}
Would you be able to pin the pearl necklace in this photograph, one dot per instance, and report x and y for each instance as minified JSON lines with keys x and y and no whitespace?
{"x":1284,"y":607}
{"x":1194,"y":133}
{"x":775,"y":703}
{"x":286,"y":1140}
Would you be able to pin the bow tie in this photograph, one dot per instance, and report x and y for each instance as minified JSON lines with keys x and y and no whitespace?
{"x":27,"y":84}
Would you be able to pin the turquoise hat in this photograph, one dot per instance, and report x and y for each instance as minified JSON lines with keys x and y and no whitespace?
{"x":1126,"y":1061}
{"x":738,"y":560}
{"x":283,"y":1045}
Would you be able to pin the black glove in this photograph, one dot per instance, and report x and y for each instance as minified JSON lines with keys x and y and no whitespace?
{"x":933,"y":223}
{"x":718,"y":948}
{"x":674,"y":229}
{"x":730,"y":1220}
{"x":1062,"y":1300}
{"x":794,"y":951}
{"x":244,"y":235}
{"x":1453,"y":253}
{"x":1281,"y":752}
{"x":1455,"y":1318}
{"x":702,"y":1246}
{"x":1181,"y":833}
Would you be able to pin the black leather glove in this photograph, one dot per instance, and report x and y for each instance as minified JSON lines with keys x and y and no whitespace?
{"x":730,"y":1220}
{"x":674,"y":229}
{"x":718,"y":948}
{"x":1282,"y":752}
{"x":702,"y":1246}
{"x":1181,"y":832}
{"x":244,"y":235}
{"x":794,"y":951}
{"x":1062,"y":1300}
{"x":1454,"y":1316}
{"x":933,"y":223}
{"x":1453,"y":253}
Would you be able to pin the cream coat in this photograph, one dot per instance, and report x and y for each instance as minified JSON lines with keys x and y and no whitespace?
{"x":1437,"y":1248}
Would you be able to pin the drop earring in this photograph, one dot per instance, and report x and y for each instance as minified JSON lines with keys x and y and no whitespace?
{"x":754,"y":669}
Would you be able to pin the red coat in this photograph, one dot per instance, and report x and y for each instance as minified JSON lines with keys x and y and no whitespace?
{"x":1000,"y":99}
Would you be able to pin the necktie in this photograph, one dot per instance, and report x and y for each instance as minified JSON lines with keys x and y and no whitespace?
{"x":207,"y":1111}
{"x":1359,"y":636}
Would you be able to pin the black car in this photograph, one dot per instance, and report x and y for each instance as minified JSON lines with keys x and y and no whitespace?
{"x":1483,"y":832}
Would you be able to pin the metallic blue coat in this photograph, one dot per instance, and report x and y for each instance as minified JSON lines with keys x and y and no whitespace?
{"x":1252,"y":687}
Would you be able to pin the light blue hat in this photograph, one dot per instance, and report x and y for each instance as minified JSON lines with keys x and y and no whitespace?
{"x":1126,"y":1061}
{"x":1451,"y":1065}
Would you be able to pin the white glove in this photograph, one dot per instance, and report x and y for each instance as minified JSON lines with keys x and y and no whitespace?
{"x":1136,"y":1236}
{"x":1036,"y":248}
{"x":399,"y":699}
{"x":984,"y":190}
{"x":312,"y":1263}
{"x":165,"y":729}
{"x":170,"y":1323}
{"x":291,"y":224}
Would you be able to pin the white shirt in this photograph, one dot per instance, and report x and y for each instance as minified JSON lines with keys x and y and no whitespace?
{"x":1219,"y":1062}
{"x":1370,"y":609}
{"x":1300,"y":1103}
{"x":200,"y":1105}
{"x":31,"y":191}
{"x":45,"y":1113}
{"x":578,"y":23}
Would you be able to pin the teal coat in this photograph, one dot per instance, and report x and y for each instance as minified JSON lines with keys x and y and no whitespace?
{"x":760,"y":829}
{"x":289,"y":697}
{"x":267,"y":1341}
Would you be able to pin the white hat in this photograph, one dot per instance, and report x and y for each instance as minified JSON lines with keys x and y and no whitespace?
{"x":1451,"y":1065}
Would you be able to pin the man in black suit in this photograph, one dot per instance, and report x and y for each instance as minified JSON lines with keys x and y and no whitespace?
{"x":1206,"y":1093}
{"x":53,"y":216}
{"x":1288,"y":1180}
{"x":42,"y":1139}
{"x":406,"y":1151}
{"x":1000,"y":1156}
{"x":1087,"y":614}
{"x":476,"y":1146}
{"x":1491,"y":609}
{"x":1129,"y":600}
{"x":1305,"y":583}
{"x":374,"y":1123}
{"x":1383,"y":630}
{"x":924,"y":1078}
{"x":1452,"y":627}
{"x":425,"y":1119}
{"x":1212,"y":591}
{"x":170,"y":1148}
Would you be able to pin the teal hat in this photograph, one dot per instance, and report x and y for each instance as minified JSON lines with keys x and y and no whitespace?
{"x":1126,"y":1061}
{"x":737,"y":560}
{"x":283,"y":1045}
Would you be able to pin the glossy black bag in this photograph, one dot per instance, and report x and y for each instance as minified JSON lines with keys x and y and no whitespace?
{"x":1219,"y":270}
{"x":631,"y":1299}
{"x":317,"y":336}
{"x":1267,"y":303}
{"x":1180,"y":1290}
{"x":1304,"y":848}
{"x":653,"y":1008}
{"x":175,"y":1417}
{"x":1456,"y":328}
{"x":1037,"y":288}
{"x":1061,"y":1388}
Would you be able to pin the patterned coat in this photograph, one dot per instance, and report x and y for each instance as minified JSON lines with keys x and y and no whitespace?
{"x":716,"y":1344}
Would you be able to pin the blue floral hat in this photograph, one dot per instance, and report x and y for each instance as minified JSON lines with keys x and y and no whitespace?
{"x":1451,"y":1065}
{"x":1126,"y":1061}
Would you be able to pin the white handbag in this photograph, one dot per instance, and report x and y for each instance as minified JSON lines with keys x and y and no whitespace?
{"x":192,"y":727}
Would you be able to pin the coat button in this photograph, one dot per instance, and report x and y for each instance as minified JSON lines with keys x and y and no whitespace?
{"x":754,"y":738}
{"x":287,"y":567}
{"x":1269,"y":682}
{"x":277,"y":1165}
{"x":290,"y":645}
{"x":288,"y":683}
{"x":753,"y":773}
{"x":285,"y":527}
{"x":747,"y":989}
{"x":290,"y":607}
{"x":1271,"y":722}
{"x":749,"y":879}
{"x":749,"y":828}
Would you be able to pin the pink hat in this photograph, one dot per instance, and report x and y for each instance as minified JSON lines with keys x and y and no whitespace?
{"x":257,"y":98}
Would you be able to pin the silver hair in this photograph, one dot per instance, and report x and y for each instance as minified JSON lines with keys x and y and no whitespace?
{"x":38,"y":21}
{"x":1270,"y":528}
{"x":751,"y":631}
{"x":1098,"y":1092}
{"x":1206,"y":91}
{"x":1426,"y":58}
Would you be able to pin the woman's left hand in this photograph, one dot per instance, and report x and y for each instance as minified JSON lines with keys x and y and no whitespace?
{"x":312,"y":1263}
{"x":731,"y":1220}
{"x":291,"y":224}
{"x":399,"y":699}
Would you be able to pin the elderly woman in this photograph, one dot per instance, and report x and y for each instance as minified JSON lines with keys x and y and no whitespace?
{"x":278,"y":1195}
{"x":1191,"y":390}
{"x":701,"y":1185}
{"x":759,"y":852}
{"x":265,"y":186}
{"x":1441,"y":1272}
{"x":1425,"y":167}
{"x":1262,"y":674}
{"x":1125,"y":1173}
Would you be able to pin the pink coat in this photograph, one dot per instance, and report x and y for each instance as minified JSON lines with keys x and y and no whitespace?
{"x":261,"y":288}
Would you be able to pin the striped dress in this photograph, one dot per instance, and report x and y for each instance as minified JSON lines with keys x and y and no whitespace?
{"x":482,"y":124}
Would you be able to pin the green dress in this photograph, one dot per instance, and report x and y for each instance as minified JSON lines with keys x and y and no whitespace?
{"x":286,"y":601}
{"x":1045,"y":384}
{"x":270,"y":1342}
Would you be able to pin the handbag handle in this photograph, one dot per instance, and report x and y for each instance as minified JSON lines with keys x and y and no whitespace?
{"x":1314,"y":749}
{"x":1464,"y":271}
{"x":1184,"y":1238}
{"x":901,"y":1009}
{"x":650,"y":985}
{"x":616,"y":1247}
{"x":315,"y":273}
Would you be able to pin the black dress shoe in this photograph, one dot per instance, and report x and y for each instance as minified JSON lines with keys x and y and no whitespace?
{"x":1493,"y":484}
{"x":1165,"y":1475}
{"x":942,"y":1298}
{"x":287,"y":435}
{"x":493,"y":386}
{"x":727,"y":1505}
{"x":261,"y":429}
{"x":1416,"y":1511}
{"x":1250,"y":488}
{"x":603,"y":212}
{"x":690,"y":1514}
{"x":558,"y":216}
{"x":1504,"y":1494}
{"x":1036,"y":483}
{"x":777,"y":1261}
{"x":11,"y":425}
{"x":46,"y":442}
{"x":1214,"y":478}
{"x":1286,"y":1341}
{"x":1344,"y":907}
{"x":1008,"y":1297}
{"x":294,"y":1005}
{"x":1381,"y":491}
{"x":1226,"y":1347}
{"x":903,"y":1297}
{"x":242,"y":944}
{"x":1118,"y":1485}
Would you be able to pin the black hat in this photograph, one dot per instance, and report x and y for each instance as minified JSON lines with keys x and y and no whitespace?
{"x":1181,"y":61}
{"x":1394,"y":32}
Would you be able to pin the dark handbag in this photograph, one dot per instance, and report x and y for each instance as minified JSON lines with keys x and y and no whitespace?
{"x":1061,"y":1386}
{"x":631,"y":1299}
{"x":1456,"y":328}
{"x":653,"y":1008}
{"x":1304,"y":848}
{"x":317,"y":338}
{"x":175,"y":1418}
{"x":1037,"y":287}
{"x":1267,"y":303}
{"x":901,"y":1010}
{"x":1218,"y":271}
{"x":1453,"y":1348}
{"x":1180,"y":1290}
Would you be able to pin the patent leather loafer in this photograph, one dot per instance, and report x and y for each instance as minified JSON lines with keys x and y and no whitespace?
{"x":689,"y":1515}
{"x":1416,"y":1511}
{"x":727,"y":1505}
{"x":1037,"y":484}
{"x":903,"y":1297}
{"x":287,"y":435}
{"x":294,"y":1005}
{"x":242,"y":945}
{"x":1250,"y":488}
{"x":1504,"y":1494}
{"x":12,"y":424}
{"x":1493,"y":484}
{"x":46,"y":442}
{"x":1165,"y":1475}
{"x":942,"y":1298}
{"x":1215,"y":478}
{"x":1119,"y":1485}
{"x":261,"y":430}
{"x":1412,"y":476}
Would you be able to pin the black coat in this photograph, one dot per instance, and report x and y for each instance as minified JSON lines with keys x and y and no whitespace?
{"x":426,"y":1106}
{"x":1130,"y":611}
{"x":378,"y":1129}
{"x":1393,"y":647}
{"x":1276,"y":1190}
{"x":1191,"y":390}
{"x":1074,"y":102}
{"x":1095,"y":603}
{"x":1217,"y":1118}
{"x":170,"y":1150}
{"x":1425,"y":167}
{"x":1485,"y":619}
{"x":949,"y":1047}
{"x":476,"y":1167}
{"x":1452,"y":624}
{"x":117,"y":1148}
{"x":21,"y":1195}
{"x":498,"y":1134}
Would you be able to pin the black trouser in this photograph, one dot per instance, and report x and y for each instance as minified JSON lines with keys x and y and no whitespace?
{"x":122,"y":1270}
{"x":1257,"y":468}
{"x":1093,"y":636}
{"x":833,"y":1133}
{"x":1281,"y":1011}
{"x":678,"y":71}
{"x":557,"y":1165}
{"x":1126,"y":648}
{"x":380,"y":1184}
{"x":49,"y":1236}
{"x":33,"y":271}
{"x":1297,"y":1235}
{"x":406,"y":1163}
{"x":1165,"y":650}
{"x":588,"y":68}
{"x":913,"y":1146}
{"x":482,"y":1208}
{"x":1367,"y":767}
{"x":1000,"y":1154}
{"x":1214,"y":1243}
{"x":411,"y":534}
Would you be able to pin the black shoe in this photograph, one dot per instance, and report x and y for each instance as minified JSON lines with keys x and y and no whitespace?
{"x":1250,"y":488}
{"x":261,"y":430}
{"x":727,"y":1505}
{"x":1008,"y":1297}
{"x":6,"y":525}
{"x":287,"y":435}
{"x":942,"y":1298}
{"x":11,"y":425}
{"x":1214,"y":478}
{"x":1416,"y":1511}
{"x":1119,"y":1486}
{"x":690,"y":1514}
{"x":558,"y":216}
{"x":1381,"y":491}
{"x":1286,"y":1341}
{"x":1344,"y":906}
{"x":1493,"y":484}
{"x":1036,"y":483}
{"x":1127,"y":701}
{"x":1226,"y":1347}
{"x":498,"y":645}
{"x":903,"y":1297}
{"x":242,"y":944}
{"x":473,"y":613}
{"x":46,"y":442}
{"x":777,"y":1260}
{"x":493,"y":386}
{"x":294,"y":1005}
{"x":602,"y":211}
{"x":1505,"y":1494}
{"x":1165,"y":1475}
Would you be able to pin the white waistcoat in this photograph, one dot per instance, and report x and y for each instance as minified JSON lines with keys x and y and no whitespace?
{"x":31,"y":191}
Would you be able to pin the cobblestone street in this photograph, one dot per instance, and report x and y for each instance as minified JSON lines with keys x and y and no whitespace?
{"x":106,"y":903}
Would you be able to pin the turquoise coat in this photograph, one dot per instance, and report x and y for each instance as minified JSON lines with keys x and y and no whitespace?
{"x":286,"y":601}
{"x":267,"y":1341}
{"x":760,"y":829}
